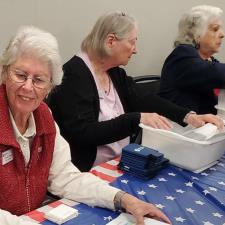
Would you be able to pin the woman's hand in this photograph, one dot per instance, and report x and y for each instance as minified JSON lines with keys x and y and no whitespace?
{"x":155,"y":120}
{"x":196,"y":120}
{"x":140,"y":209}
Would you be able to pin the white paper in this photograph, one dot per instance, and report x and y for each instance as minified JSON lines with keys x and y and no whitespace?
{"x":203,"y":133}
{"x":61,"y":214}
{"x":127,"y":219}
{"x":207,"y":131}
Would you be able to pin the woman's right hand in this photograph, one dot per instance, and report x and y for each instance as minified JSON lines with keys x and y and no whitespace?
{"x":155,"y":120}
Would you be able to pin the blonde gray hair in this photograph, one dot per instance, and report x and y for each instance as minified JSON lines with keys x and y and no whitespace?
{"x":194,"y":23}
{"x":32,"y":41}
{"x":117,"y":23}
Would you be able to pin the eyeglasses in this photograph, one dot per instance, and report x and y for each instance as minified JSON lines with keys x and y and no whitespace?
{"x":39,"y":81}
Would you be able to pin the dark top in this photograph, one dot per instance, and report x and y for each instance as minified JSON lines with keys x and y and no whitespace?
{"x":188,"y":80}
{"x":75,"y":107}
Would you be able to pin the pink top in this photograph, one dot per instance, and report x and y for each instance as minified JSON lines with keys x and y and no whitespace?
{"x":110,"y":107}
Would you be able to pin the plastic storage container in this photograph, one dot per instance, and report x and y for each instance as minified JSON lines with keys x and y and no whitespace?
{"x":220,"y":111}
{"x":182,"y":151}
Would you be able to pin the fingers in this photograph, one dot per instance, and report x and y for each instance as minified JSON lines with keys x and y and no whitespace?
{"x":154,"y":213}
{"x":216,"y":120}
{"x":139,"y":209}
{"x":156,"y":121}
{"x":200,"y":120}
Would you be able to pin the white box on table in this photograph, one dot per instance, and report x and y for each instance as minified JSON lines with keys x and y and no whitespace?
{"x":184,"y":152}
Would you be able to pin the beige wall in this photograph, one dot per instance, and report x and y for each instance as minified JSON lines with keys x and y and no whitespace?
{"x":71,"y":20}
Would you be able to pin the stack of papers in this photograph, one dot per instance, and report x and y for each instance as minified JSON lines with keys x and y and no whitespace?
{"x":204,"y":133}
{"x":127,"y":219}
{"x":142,"y":162}
{"x":61,"y":214}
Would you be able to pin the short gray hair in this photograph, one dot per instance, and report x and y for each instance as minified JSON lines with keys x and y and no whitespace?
{"x":194,"y":23}
{"x":115,"y":22}
{"x":32,"y":41}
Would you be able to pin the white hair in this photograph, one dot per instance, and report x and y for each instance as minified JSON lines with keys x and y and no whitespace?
{"x":115,"y":22}
{"x":34,"y":42}
{"x":194,"y":23}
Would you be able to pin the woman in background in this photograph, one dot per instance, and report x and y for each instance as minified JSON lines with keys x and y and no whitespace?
{"x":191,"y":73}
{"x":97,"y":106}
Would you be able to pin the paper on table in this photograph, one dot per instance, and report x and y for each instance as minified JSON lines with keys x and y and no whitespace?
{"x":127,"y":219}
{"x":61,"y":214}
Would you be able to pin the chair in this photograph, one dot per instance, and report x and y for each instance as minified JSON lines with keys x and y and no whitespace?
{"x":147,"y":84}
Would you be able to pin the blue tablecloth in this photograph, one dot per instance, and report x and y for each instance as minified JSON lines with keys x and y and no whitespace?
{"x":185,"y":197}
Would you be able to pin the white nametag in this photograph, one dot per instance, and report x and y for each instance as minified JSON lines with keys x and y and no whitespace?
{"x":7,"y":156}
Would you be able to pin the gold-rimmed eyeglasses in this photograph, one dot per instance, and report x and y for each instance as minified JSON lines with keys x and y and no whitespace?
{"x":20,"y":76}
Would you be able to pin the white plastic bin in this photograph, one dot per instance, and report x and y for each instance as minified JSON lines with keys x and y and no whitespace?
{"x":182,"y":151}
{"x":220,"y":111}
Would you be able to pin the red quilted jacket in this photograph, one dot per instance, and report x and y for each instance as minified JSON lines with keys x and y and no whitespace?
{"x":23,"y":188}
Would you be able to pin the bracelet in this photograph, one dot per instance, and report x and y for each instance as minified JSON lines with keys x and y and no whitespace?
{"x":187,"y":115}
{"x":117,"y":200}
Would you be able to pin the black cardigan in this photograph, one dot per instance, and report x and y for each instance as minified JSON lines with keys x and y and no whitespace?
{"x":188,"y":80}
{"x":75,"y":107}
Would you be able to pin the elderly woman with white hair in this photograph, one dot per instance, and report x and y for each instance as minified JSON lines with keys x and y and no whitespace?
{"x":98,"y":106}
{"x":191,"y":73}
{"x":34,"y":157}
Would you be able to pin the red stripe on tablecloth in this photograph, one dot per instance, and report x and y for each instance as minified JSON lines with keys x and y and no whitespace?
{"x":55,"y":204}
{"x":103,"y":176}
{"x":110,"y":167}
{"x":36,"y":215}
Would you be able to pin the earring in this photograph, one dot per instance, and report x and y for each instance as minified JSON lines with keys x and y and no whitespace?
{"x":197,"y":46}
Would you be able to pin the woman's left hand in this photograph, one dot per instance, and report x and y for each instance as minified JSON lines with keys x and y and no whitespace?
{"x":199,"y":120}
{"x":140,"y":209}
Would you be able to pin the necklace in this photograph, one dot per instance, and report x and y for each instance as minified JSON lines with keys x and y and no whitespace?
{"x":109,"y":86}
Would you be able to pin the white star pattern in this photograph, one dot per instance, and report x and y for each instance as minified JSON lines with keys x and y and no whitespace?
{"x":162,"y":179}
{"x":222,"y":183}
{"x":194,"y":178}
{"x":179,"y":219}
{"x":220,"y":164}
{"x":190,"y":210}
{"x":180,"y":191}
{"x":109,"y":218}
{"x":212,"y":168}
{"x":170,"y":198}
{"x":204,"y":174}
{"x":199,"y":202}
{"x":141,"y":192}
{"x":189,"y":184}
{"x":217,"y":215}
{"x":212,"y":189}
{"x":207,"y":223}
{"x":206,"y":192}
{"x":152,"y":186}
{"x":160,"y":206}
{"x":124,"y":181}
{"x":172,"y":174}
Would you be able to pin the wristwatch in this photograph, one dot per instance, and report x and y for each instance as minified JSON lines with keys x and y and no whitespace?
{"x":117,"y":201}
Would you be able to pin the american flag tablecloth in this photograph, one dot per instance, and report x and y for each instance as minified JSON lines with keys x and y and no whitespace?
{"x":186,"y":197}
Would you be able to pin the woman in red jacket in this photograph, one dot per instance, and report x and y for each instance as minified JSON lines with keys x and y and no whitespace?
{"x":34,"y":157}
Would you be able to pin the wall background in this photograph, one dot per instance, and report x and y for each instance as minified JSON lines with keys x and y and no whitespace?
{"x":71,"y":20}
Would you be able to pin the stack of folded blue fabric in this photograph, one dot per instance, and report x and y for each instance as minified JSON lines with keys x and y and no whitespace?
{"x":142,"y":162}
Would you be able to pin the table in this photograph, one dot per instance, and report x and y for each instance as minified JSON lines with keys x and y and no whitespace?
{"x":186,"y":197}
